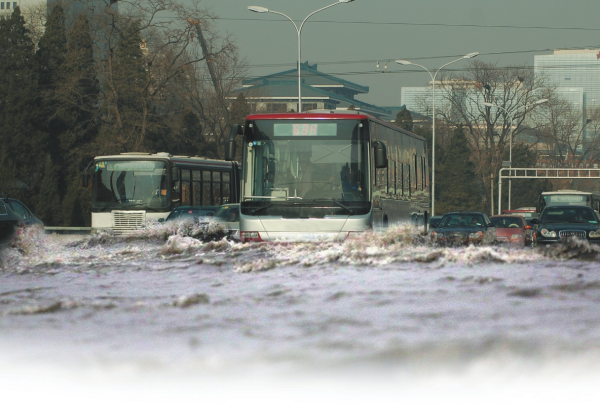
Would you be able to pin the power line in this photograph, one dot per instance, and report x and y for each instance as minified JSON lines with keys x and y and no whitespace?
{"x":420,"y":24}
{"x":328,"y":63}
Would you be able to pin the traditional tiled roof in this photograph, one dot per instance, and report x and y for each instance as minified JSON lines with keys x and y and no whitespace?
{"x":311,"y":76}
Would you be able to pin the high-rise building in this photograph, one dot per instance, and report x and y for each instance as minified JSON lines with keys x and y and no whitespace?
{"x":576,"y":74}
{"x":7,"y":7}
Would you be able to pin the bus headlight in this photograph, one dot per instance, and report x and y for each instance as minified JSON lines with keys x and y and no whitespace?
{"x":595,"y":234}
{"x":476,"y":235}
{"x":547,"y":233}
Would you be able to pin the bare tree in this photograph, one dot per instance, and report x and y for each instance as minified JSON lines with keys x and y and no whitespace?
{"x":35,"y":18}
{"x":569,"y":136}
{"x":148,"y":51}
{"x":489,"y":129}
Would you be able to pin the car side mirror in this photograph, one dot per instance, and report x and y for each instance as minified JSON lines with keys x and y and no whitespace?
{"x":491,"y":225}
{"x":161,"y":220}
{"x":535,"y":221}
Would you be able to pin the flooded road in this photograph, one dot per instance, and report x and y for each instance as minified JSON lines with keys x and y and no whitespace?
{"x":387,"y":315}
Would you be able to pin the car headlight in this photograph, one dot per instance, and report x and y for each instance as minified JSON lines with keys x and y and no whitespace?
{"x":547,"y":233}
{"x":595,"y":234}
{"x":437,"y":235}
{"x":476,"y":235}
{"x":516,"y":236}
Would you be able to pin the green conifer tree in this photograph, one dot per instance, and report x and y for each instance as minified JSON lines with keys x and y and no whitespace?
{"x":404,"y":120}
{"x":525,"y":192}
{"x":21,"y":134}
{"x":456,"y":181}
{"x":79,"y":107}
{"x":48,"y":207}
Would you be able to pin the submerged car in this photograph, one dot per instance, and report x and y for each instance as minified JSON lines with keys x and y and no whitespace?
{"x":10,"y":222}
{"x":511,"y":229}
{"x":229,"y":216}
{"x":561,"y":222}
{"x":190,"y":212}
{"x":434,"y":221}
{"x":29,"y":219}
{"x":464,"y":227}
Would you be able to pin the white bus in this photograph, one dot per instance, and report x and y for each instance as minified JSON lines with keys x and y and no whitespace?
{"x":566,"y":197}
{"x":131,"y":189}
{"x":324,"y":176}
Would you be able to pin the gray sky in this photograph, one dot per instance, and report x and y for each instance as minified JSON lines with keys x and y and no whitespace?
{"x":351,"y":50}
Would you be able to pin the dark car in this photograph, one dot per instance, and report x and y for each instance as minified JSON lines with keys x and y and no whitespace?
{"x":191,"y":212}
{"x":29,"y":219}
{"x":10,"y":222}
{"x":561,"y":222}
{"x":464,"y":227}
{"x":434,"y":221}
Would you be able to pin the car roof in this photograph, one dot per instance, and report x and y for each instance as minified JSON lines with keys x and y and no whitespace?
{"x":196,"y":208}
{"x":465,"y":212}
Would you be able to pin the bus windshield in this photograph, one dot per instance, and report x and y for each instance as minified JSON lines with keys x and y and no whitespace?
{"x":134,"y":184}
{"x":308,"y":160}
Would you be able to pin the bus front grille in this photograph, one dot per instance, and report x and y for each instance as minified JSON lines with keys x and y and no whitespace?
{"x":125,"y":222}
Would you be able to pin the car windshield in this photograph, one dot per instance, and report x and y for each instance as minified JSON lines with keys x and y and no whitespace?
{"x":569,"y":215}
{"x":228,"y":213}
{"x":189,"y":213}
{"x":462,"y":220}
{"x":507,"y":222}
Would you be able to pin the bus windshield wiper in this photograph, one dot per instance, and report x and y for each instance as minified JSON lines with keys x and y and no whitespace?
{"x":339,"y":204}
{"x":137,"y":205}
{"x":256,"y":210}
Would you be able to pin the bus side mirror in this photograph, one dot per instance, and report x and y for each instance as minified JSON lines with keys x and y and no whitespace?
{"x":271,"y":173}
{"x":84,"y":180}
{"x":380,"y":154}
{"x":230,"y":146}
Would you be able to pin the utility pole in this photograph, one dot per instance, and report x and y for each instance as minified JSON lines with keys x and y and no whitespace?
{"x":492,"y":187}
{"x":207,"y":55}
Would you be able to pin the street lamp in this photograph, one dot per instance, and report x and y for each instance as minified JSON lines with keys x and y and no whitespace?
{"x":433,"y":76}
{"x":510,"y":115}
{"x":258,"y":9}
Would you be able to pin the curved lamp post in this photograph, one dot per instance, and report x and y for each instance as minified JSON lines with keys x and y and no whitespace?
{"x":433,"y":76}
{"x":510,"y":115}
{"x":258,"y":9}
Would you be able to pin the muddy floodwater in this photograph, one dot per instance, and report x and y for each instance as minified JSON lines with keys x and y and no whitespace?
{"x":161,"y":315}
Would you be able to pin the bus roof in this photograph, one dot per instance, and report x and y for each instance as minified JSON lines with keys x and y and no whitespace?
{"x":337,"y":116}
{"x":563,"y":191}
{"x":333,"y":115}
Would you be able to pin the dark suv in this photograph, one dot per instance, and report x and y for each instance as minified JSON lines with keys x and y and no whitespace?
{"x":28,"y":217}
{"x":9,"y":222}
{"x":464,"y":227}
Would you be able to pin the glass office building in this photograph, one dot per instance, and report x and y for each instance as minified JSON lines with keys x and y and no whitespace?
{"x":418,"y":99}
{"x":576,"y":74}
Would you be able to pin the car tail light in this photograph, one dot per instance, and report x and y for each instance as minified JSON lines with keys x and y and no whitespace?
{"x":354,"y":235}
{"x":250,"y":236}
{"x":528,"y":227}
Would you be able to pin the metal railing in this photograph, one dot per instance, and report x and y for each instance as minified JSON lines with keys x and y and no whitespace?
{"x":543,"y":173}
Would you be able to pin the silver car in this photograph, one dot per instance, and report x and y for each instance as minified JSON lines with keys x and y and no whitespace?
{"x":229,"y":216}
